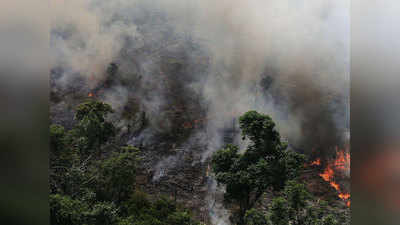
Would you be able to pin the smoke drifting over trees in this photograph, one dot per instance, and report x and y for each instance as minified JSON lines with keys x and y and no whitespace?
{"x":201,"y":64}
{"x":303,"y":47}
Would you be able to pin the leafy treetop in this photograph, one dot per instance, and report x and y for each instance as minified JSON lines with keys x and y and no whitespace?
{"x":265,"y":164}
{"x":92,"y":124}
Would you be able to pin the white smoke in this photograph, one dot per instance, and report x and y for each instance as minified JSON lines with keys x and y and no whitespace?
{"x":305,"y":42}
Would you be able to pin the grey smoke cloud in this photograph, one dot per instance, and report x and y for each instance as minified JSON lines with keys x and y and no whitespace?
{"x":306,"y":42}
{"x":303,"y":46}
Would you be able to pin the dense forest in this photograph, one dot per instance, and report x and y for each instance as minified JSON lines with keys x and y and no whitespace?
{"x":199,"y":112}
{"x":93,"y":178}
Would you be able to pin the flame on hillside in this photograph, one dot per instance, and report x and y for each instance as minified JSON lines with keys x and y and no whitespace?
{"x":316,"y":162}
{"x":341,"y":164}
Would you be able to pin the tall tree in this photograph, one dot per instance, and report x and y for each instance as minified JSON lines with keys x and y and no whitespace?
{"x":265,"y":164}
{"x":86,"y":189}
{"x":92,"y":126}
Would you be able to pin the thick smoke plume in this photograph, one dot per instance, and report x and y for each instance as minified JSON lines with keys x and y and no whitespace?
{"x":286,"y":58}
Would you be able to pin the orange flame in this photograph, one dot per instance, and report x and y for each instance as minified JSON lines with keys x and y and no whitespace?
{"x":344,"y":196}
{"x":335,"y":185}
{"x":317,"y":162}
{"x":90,"y":94}
{"x":328,"y":174}
{"x":342,"y":163}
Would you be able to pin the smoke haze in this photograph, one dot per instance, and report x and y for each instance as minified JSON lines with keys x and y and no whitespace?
{"x":286,"y":58}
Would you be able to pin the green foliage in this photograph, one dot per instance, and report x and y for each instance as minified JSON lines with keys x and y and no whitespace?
{"x":66,"y":211}
{"x":57,"y":134}
{"x":103,"y":213}
{"x":223,"y":159}
{"x":297,"y":195}
{"x":180,"y":218}
{"x":292,"y":164}
{"x":329,"y":220}
{"x":295,"y":207}
{"x":317,"y":211}
{"x":163,"y":207}
{"x":116,"y":174}
{"x":74,"y":180}
{"x":279,"y":210}
{"x":260,"y":129}
{"x":265,"y":164}
{"x":163,"y":211}
{"x":99,"y":189}
{"x":255,"y":217}
{"x":137,"y":204}
{"x":92,"y":127}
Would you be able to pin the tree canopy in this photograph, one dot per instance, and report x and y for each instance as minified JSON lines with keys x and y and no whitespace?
{"x":92,"y":126}
{"x":92,"y":178}
{"x":265,"y":164}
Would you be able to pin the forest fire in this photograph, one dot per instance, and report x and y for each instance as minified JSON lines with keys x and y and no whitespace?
{"x":342,"y":161}
{"x":341,"y":164}
{"x":316,"y":162}
{"x":179,"y":83}
{"x":344,"y":196}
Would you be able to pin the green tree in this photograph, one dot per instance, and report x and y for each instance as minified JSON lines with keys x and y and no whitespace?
{"x":163,"y":211}
{"x":57,"y":134}
{"x":329,"y":220}
{"x":137,"y":204}
{"x":266,"y":163}
{"x":92,"y":128}
{"x":279,"y":210}
{"x":99,"y":189}
{"x":295,"y":207}
{"x":297,"y":196}
{"x":116,"y":174}
{"x":70,"y":157}
{"x":62,"y":159}
{"x":103,"y":213}
{"x":67,"y":211}
{"x":314,"y":213}
{"x":180,"y":218}
{"x":255,"y":217}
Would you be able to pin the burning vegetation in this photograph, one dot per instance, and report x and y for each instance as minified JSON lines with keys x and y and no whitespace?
{"x":334,"y":170}
{"x":177,"y":95}
{"x":187,"y":116}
